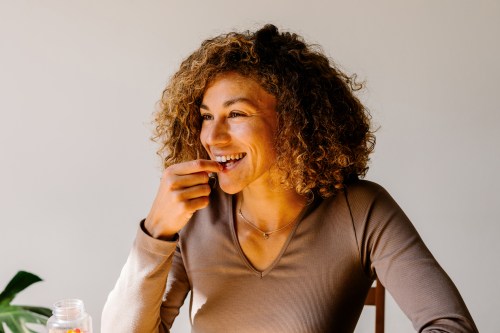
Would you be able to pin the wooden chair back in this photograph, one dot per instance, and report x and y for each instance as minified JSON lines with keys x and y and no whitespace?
{"x":376,"y":297}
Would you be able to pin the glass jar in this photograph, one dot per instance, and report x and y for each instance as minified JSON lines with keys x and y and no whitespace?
{"x":69,"y":316}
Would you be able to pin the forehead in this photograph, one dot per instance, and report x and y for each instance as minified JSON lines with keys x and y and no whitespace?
{"x":231,"y":86}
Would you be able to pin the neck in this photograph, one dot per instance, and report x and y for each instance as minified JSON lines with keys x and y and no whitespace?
{"x":270,"y":210}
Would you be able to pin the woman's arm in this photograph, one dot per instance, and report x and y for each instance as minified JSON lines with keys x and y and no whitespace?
{"x":392,"y":249}
{"x":136,"y":303}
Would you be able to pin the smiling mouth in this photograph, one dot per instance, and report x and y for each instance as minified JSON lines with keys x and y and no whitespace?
{"x":229,"y":160}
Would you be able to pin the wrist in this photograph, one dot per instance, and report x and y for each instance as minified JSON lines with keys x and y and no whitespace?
{"x":150,"y":231}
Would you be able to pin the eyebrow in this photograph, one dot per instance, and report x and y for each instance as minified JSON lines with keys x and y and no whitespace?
{"x":233,"y":101}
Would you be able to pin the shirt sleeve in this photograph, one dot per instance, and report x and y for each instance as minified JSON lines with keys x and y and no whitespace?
{"x":137,"y":303}
{"x":178,"y":286}
{"x":392,"y":250}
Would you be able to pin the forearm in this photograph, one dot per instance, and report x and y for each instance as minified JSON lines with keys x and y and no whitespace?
{"x":134,"y":303}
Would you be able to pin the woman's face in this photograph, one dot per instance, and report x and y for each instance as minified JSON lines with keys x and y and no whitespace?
{"x":238,"y":129}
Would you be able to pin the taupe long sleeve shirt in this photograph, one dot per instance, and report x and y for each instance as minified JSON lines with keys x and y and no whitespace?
{"x":318,"y":282}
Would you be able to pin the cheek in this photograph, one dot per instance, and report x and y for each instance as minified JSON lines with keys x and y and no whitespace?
{"x":202,"y":137}
{"x":268,"y":137}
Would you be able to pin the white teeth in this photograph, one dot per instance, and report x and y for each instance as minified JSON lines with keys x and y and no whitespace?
{"x":226,"y":158}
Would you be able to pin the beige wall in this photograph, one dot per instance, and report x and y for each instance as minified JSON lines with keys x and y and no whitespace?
{"x":79,"y":81}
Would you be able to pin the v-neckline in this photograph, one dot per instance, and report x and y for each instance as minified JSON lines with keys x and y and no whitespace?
{"x":237,"y":244}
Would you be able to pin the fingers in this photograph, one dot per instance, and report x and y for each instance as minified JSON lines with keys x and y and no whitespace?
{"x":197,"y":203}
{"x":195,"y":166}
{"x":176,"y":182}
{"x":190,"y":173}
{"x":183,"y":190}
{"x":192,"y":192}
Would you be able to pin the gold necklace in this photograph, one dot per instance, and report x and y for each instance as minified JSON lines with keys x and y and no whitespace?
{"x":265,"y":234}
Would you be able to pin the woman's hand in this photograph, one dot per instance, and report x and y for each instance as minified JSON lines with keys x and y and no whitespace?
{"x":183,"y":190}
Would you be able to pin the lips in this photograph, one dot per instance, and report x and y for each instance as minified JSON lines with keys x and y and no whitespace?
{"x":230,"y":159}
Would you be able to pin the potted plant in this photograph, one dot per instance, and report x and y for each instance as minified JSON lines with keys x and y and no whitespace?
{"x":15,"y":317}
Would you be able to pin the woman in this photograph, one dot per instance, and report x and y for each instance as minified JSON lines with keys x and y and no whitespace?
{"x":288,"y":239}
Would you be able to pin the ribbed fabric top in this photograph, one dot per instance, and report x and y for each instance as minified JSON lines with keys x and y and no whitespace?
{"x":318,"y":283}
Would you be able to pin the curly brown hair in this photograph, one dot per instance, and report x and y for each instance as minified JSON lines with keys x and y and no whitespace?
{"x":323,"y":138}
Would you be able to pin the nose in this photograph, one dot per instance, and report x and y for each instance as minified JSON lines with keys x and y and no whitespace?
{"x":215,"y":132}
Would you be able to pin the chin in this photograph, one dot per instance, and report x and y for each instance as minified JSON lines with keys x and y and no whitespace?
{"x":229,"y":188}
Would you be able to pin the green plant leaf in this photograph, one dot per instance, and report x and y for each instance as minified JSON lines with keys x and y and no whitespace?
{"x":19,"y":282}
{"x":16,"y":318}
{"x":37,"y":309}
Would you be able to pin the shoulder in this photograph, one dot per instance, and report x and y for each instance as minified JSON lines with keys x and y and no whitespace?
{"x":358,"y":195}
{"x":365,"y":191}
{"x":367,"y":200}
{"x":357,"y":202}
{"x":362,"y":186}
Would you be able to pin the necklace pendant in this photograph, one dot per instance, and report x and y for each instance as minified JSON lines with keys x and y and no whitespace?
{"x":266,"y":236}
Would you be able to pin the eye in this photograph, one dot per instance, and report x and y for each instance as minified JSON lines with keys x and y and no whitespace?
{"x":235,"y":114}
{"x":206,"y":116}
